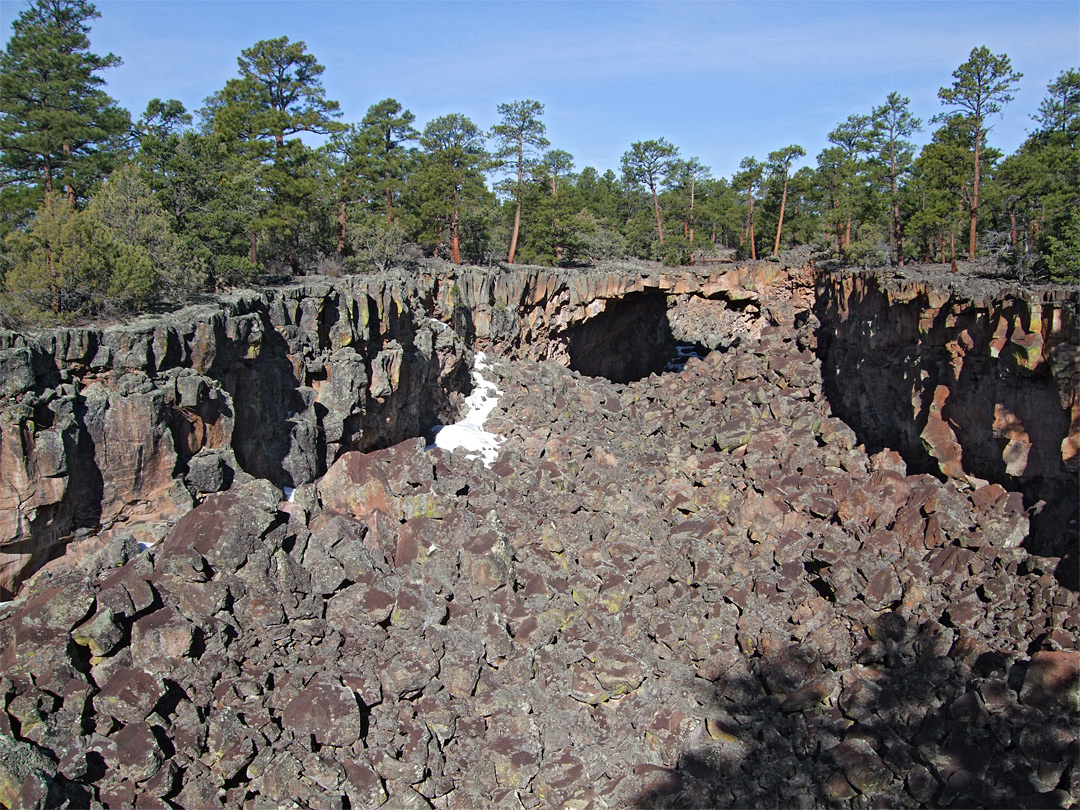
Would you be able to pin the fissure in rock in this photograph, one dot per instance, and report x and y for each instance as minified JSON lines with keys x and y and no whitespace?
{"x":629,"y":340}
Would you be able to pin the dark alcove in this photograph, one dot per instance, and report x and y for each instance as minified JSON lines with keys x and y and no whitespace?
{"x":629,"y":340}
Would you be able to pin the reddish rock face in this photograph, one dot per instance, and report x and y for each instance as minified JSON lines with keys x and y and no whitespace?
{"x":131,"y":423}
{"x":694,"y":590}
{"x":979,"y":384}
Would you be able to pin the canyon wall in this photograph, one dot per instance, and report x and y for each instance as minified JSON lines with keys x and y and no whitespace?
{"x":975,"y":381}
{"x":694,"y":589}
{"x":124,"y":428}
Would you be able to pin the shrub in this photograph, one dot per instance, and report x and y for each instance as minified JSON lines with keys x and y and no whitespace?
{"x":67,"y":265}
{"x":376,"y":244}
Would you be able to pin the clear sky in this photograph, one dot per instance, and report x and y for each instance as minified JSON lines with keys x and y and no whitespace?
{"x":720,"y":80}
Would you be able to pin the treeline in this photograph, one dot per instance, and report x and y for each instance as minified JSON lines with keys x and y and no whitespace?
{"x":102,"y":214}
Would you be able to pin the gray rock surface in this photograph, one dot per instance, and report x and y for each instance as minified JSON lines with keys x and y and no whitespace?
{"x":696,"y":589}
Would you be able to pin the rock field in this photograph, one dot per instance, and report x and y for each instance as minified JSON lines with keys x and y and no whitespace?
{"x":693,"y":590}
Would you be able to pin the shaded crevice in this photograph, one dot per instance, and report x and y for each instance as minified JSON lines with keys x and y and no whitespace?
{"x":882,"y":363}
{"x":628,"y":341}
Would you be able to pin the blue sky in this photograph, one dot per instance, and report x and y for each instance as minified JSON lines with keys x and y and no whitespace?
{"x":720,"y":80}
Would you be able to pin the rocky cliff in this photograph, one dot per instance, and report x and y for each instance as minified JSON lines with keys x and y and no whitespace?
{"x":135,"y":423}
{"x":685,"y":589}
{"x":130,"y":425}
{"x":967,"y":380}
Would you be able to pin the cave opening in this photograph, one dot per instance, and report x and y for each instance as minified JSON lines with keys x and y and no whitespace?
{"x":631,"y":339}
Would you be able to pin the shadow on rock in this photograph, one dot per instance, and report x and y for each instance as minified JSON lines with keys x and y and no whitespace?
{"x":924,"y":719}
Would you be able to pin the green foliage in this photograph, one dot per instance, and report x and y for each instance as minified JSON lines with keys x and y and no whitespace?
{"x":648,"y":163}
{"x":940,"y":188}
{"x":718,"y":213}
{"x":1038,"y":190}
{"x":384,"y":160}
{"x":981,"y":86}
{"x":59,"y":131}
{"x":519,"y":140}
{"x":892,"y":125}
{"x":126,"y":206}
{"x":449,"y":188}
{"x":1061,"y":247}
{"x":602,"y":195}
{"x":549,"y":203}
{"x":748,"y":180}
{"x":376,"y":244}
{"x":595,"y":238}
{"x":208,"y":190}
{"x":296,"y":219}
{"x":86,"y":231}
{"x":278,"y":93}
{"x":68,"y":265}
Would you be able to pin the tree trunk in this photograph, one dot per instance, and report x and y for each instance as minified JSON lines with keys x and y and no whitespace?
{"x":1012,"y":228}
{"x":514,"y":235}
{"x":455,"y":239}
{"x":517,"y":193}
{"x":46,"y":168}
{"x":975,"y":189}
{"x":894,"y":232}
{"x":780,"y":224}
{"x":342,"y":219}
{"x":941,"y":242}
{"x":690,"y":238}
{"x":656,"y":210}
{"x":389,"y":198}
{"x":898,"y":255}
{"x":69,"y":187}
{"x":753,"y":247}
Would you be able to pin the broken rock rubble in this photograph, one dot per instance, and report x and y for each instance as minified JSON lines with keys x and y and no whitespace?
{"x":695,"y":590}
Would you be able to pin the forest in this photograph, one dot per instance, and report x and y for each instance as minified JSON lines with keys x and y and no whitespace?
{"x":102,"y":214}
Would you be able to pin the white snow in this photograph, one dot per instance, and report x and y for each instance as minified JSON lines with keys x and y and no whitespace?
{"x":143,"y":546}
{"x":289,"y":492}
{"x":469,"y":432}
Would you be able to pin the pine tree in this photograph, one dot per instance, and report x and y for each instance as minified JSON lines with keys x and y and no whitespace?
{"x":779,"y":167}
{"x":1039,"y":188}
{"x":520,"y":139}
{"x":893,"y":124}
{"x":749,"y":179}
{"x":450,"y":181}
{"x":279,"y":93}
{"x":983,"y":85}
{"x":648,"y":162}
{"x":58,"y":129}
{"x":384,"y":132}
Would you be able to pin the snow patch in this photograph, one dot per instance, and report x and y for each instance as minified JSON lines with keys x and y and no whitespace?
{"x":289,"y":492}
{"x":469,"y":433}
{"x":144,"y":546}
